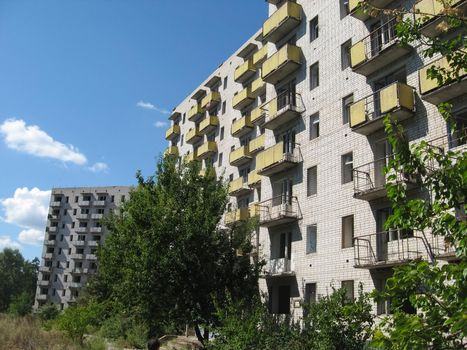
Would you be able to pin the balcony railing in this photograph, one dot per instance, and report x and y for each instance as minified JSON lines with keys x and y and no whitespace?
{"x":258,"y":86}
{"x":366,"y":115}
{"x":175,"y":115}
{"x":242,"y":126}
{"x":240,"y":156}
{"x":282,"y":109}
{"x":257,"y":115}
{"x":236,"y":215}
{"x":173,"y":132}
{"x":96,"y":229}
{"x":45,"y":269}
{"x":279,"y":210}
{"x":84,"y":203}
{"x":278,"y":158}
{"x":100,"y":203}
{"x":243,"y":98}
{"x":82,"y":216}
{"x":55,"y":204}
{"x":357,"y":12}
{"x":207,"y":149}
{"x":244,"y":71}
{"x":433,"y":92}
{"x":53,"y":229}
{"x":430,"y":14}
{"x":254,"y":179}
{"x":396,"y":247}
{"x":191,"y":157}
{"x":171,"y":151}
{"x":239,"y":187}
{"x":456,"y":142}
{"x":193,"y":136}
{"x":257,"y":144}
{"x":97,"y":216}
{"x":260,"y":56}
{"x":195,"y":112}
{"x":211,"y":100}
{"x":282,"y":22}
{"x":282,"y":64}
{"x":50,"y":242}
{"x":208,"y":124}
{"x":370,"y":179}
{"x":279,"y":267}
{"x":377,"y":50}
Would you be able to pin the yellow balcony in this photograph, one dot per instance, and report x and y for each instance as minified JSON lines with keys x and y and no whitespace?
{"x":258,"y":86}
{"x":240,"y":156}
{"x":367,"y":114}
{"x":173,"y":132}
{"x":210,"y":100}
{"x":282,"y":22}
{"x":254,"y":179}
{"x":254,"y":210}
{"x":357,"y":12}
{"x":175,"y":116}
{"x":207,"y":149}
{"x":191,"y":157}
{"x":242,"y":126}
{"x":283,"y":109}
{"x":193,"y":136}
{"x":435,"y":93}
{"x":257,"y":144}
{"x":237,"y":215}
{"x":243,"y":98}
{"x":428,"y":13}
{"x":210,"y":171}
{"x":377,"y":50}
{"x":277,"y":158}
{"x":260,"y":56}
{"x":244,"y":71}
{"x":239,"y":187}
{"x":195,"y":112}
{"x":258,"y":114}
{"x":283,"y":63}
{"x":171,"y":151}
{"x":208,"y":124}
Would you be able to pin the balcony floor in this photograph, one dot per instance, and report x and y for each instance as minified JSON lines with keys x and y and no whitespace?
{"x":240,"y":192}
{"x":371,"y":194}
{"x":277,"y":167}
{"x":389,"y":55}
{"x":431,"y":28}
{"x":282,"y":117}
{"x":281,"y":72}
{"x":280,"y":219}
{"x":241,"y":161}
{"x":284,"y":28}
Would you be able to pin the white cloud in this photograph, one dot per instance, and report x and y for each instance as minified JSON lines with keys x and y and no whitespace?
{"x":27,"y":208}
{"x":32,"y":140}
{"x":7,"y":242}
{"x":160,"y":124}
{"x":31,"y":236}
{"x":150,"y":106}
{"x":99,"y":167}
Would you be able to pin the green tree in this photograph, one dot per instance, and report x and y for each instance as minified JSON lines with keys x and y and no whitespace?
{"x":167,"y":257}
{"x":18,"y":278}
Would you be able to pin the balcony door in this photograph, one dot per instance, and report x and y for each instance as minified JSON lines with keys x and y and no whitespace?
{"x":287,"y":191}
{"x":286,"y":95}
{"x":382,"y":237}
{"x":284,"y":300}
{"x":285,"y":245}
{"x":381,"y":153}
{"x":288,"y":139}
{"x":382,"y":33}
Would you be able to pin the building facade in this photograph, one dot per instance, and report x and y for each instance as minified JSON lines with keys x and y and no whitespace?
{"x":73,"y":234}
{"x":294,"y":120}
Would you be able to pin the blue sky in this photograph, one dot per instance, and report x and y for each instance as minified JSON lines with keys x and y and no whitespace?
{"x":71,"y":75}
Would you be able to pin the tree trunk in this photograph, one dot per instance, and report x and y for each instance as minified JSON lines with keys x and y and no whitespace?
{"x":198,"y":334}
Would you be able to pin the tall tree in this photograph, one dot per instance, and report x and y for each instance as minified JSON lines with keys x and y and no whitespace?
{"x":168,"y":256}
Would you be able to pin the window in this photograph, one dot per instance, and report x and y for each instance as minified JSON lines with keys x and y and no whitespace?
{"x":68,"y":264}
{"x":100,"y":211}
{"x":81,"y":238}
{"x":231,"y":177}
{"x":102,"y":197}
{"x":224,"y":106}
{"x":346,"y":102}
{"x":311,"y":238}
{"x":349,"y":289}
{"x":314,"y":126}
{"x":347,"y":168}
{"x":83,"y":224}
{"x":314,"y":76}
{"x":344,"y":8}
{"x":74,"y":211}
{"x":122,"y":198}
{"x":226,"y":79}
{"x":65,"y":279}
{"x":61,"y":238}
{"x":222,"y":134}
{"x":345,"y":54}
{"x":312,"y":181}
{"x":347,"y":231}
{"x":59,"y":251}
{"x":63,"y":293}
{"x":76,"y":199}
{"x":86,"y":198}
{"x":67,"y":199}
{"x":112,"y":199}
{"x":314,"y":32}
{"x":183,"y":118}
{"x":71,"y":238}
{"x":80,"y":251}
{"x":58,"y":264}
{"x":310,"y":293}
{"x":181,"y":141}
{"x":220,"y":159}
{"x":73,"y":224}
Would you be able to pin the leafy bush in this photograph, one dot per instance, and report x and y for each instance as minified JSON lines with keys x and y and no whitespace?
{"x":21,"y":304}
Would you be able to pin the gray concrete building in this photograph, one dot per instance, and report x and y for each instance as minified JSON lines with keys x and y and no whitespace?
{"x":73,"y":233}
{"x":294,"y":120}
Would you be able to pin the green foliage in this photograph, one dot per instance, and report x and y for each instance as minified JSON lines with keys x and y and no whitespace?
{"x":77,"y":320}
{"x":18,"y":280}
{"x":21,"y":304}
{"x":47,"y":312}
{"x":167,"y":257}
{"x":333,"y":323}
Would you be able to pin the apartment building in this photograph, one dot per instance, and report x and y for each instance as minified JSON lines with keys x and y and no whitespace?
{"x":294,"y":120}
{"x":73,"y":233}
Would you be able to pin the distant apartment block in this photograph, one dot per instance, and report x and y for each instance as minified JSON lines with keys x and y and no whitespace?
{"x":73,"y":233}
{"x":294,"y":118}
